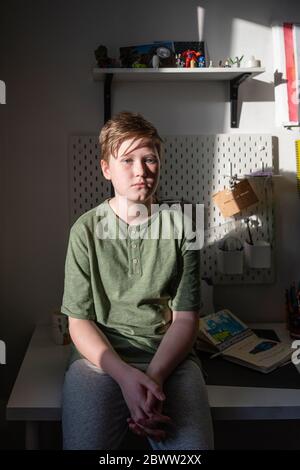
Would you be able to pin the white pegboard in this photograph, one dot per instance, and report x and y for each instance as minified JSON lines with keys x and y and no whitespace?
{"x":88,"y":187}
{"x":193,"y":168}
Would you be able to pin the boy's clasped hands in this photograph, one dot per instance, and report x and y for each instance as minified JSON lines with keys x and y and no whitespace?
{"x":144,"y":397}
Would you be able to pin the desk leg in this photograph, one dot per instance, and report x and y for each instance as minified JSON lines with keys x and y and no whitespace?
{"x":32,"y":435}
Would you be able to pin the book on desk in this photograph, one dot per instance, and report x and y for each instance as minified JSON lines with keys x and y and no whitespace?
{"x":223,"y":334}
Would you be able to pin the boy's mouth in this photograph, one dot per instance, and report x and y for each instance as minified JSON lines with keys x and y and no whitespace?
{"x":140,"y":185}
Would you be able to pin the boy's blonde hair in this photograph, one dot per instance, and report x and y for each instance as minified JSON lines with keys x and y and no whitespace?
{"x":126,"y":125}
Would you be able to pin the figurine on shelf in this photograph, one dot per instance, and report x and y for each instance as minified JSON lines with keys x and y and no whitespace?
{"x":102,"y":58}
{"x":193,"y":63}
{"x":179,"y":60}
{"x":252,"y":62}
{"x":201,"y":60}
{"x":140,"y":62}
{"x":188,"y":56}
{"x":237,"y":61}
{"x":155,"y":61}
{"x":227,"y":64}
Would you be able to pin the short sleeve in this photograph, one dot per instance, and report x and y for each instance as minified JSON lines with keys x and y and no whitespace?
{"x":77,"y":298}
{"x":187,"y":295}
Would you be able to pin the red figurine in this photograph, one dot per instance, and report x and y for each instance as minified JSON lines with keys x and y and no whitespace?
{"x":190,"y":57}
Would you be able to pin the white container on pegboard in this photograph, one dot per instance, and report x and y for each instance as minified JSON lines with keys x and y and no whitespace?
{"x":230,"y":262}
{"x":258,"y":255}
{"x":230,"y":254}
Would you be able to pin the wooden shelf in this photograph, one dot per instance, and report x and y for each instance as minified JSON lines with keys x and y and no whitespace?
{"x":234,"y":75}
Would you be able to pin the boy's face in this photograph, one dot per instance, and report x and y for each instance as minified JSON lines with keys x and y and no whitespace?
{"x":134,"y":172}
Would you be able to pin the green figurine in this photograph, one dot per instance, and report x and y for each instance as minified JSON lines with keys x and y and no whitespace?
{"x":237,"y":61}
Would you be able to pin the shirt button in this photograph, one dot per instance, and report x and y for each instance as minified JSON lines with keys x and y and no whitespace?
{"x":135,"y":260}
{"x":134,"y":245}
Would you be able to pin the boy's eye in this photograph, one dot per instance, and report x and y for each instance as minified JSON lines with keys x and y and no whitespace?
{"x":147,"y":160}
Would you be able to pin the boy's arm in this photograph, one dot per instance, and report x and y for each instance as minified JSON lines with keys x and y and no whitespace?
{"x":175,"y":345}
{"x":94,"y":346}
{"x":135,"y":384}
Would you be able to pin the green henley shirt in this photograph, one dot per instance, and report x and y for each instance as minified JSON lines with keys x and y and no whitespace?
{"x":129,"y":278}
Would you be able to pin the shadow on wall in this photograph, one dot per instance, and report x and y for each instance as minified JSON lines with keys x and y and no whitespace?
{"x":253,"y":90}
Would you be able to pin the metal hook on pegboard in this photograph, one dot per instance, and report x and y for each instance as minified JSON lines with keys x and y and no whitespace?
{"x":233,"y":178}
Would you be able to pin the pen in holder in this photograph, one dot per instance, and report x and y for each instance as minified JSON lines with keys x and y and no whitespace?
{"x":60,"y":329}
{"x":230,"y":256}
{"x":258,"y":254}
{"x":292,"y":304}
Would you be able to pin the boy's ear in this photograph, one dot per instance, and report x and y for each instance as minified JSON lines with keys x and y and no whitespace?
{"x":105,"y":169}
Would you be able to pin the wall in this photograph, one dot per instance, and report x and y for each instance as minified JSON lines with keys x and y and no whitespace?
{"x":46,"y":57}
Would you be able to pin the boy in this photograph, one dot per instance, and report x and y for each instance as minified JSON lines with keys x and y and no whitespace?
{"x":132,"y":297}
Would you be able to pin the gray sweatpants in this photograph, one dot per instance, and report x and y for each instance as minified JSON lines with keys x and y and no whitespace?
{"x":94,"y":410}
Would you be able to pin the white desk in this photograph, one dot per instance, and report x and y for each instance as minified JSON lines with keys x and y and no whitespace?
{"x":255,"y":403}
{"x":36,"y":395}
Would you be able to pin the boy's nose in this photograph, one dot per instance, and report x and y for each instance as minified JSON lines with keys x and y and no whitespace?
{"x":139,"y":169}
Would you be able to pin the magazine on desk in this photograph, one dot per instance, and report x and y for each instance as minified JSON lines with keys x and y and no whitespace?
{"x":224,"y":334}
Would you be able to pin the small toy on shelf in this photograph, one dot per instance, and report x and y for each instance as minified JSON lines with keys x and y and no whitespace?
{"x":190,"y":57}
{"x":236,"y":62}
{"x":193,"y":63}
{"x":140,"y":62}
{"x":102,"y":58}
{"x":252,"y":62}
{"x":201,"y":60}
{"x":179,"y":60}
{"x":155,"y":61}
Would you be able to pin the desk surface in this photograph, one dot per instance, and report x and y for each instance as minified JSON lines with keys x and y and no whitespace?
{"x":36,"y":395}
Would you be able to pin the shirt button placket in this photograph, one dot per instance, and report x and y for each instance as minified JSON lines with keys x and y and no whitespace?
{"x":135,"y":252}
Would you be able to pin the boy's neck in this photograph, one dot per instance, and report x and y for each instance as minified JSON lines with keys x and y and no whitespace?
{"x":133,"y":213}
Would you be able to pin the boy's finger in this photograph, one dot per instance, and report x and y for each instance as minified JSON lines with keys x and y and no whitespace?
{"x":154,"y":420}
{"x":150,"y":402}
{"x":148,"y":407}
{"x":159,"y":418}
{"x":154,"y":388}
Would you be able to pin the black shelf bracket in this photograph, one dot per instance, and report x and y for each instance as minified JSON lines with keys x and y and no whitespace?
{"x":107,"y":96}
{"x":107,"y":108}
{"x":234,"y":92}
